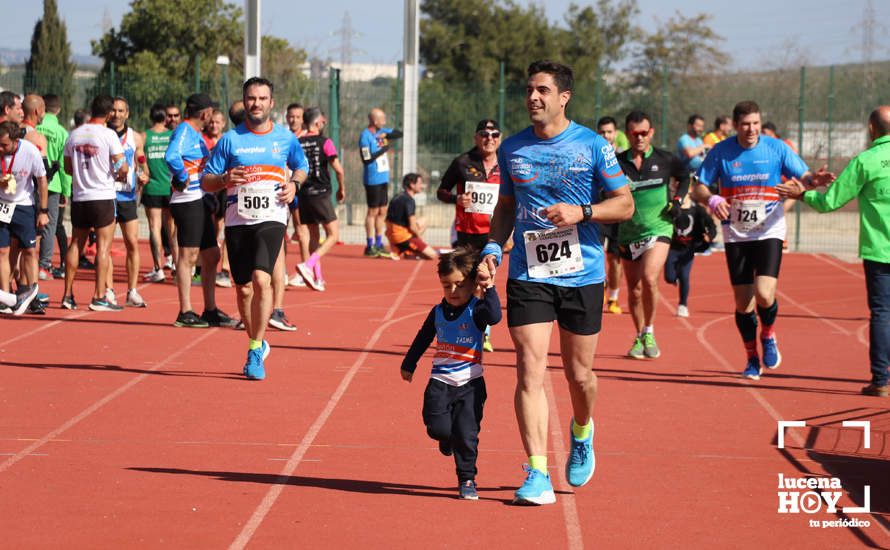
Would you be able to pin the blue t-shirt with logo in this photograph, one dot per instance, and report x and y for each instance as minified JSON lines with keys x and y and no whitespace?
{"x":752,"y":175}
{"x":685,"y":142}
{"x":572,"y":167}
{"x":377,"y":171}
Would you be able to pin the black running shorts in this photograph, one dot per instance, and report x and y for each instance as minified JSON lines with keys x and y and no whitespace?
{"x":87,"y":214}
{"x":578,"y":310}
{"x":751,"y":259}
{"x":253,"y":248}
{"x":376,"y":195}
{"x":194,"y":225}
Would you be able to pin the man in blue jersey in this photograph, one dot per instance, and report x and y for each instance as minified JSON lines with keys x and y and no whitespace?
{"x":552,"y":174}
{"x":373,"y":144}
{"x":746,"y":170}
{"x":690,"y":146}
{"x":250,"y":163}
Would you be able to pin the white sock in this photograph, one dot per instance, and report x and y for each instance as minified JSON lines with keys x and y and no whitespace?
{"x":649,"y":328}
{"x":613,"y":294}
{"x":7,"y":298}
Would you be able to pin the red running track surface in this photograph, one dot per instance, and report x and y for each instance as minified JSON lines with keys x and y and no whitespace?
{"x":119,"y":430}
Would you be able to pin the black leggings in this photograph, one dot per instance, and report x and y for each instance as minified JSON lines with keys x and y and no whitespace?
{"x":677,"y":269}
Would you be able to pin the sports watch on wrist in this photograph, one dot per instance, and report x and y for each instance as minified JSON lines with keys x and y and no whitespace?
{"x":587,"y":212}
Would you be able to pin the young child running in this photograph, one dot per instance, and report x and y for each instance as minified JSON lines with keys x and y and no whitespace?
{"x":455,"y":393}
{"x":694,"y":230}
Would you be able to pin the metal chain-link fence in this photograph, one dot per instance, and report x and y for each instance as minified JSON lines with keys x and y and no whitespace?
{"x":822,"y":110}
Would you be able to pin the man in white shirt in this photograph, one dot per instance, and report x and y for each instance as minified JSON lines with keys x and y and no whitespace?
{"x":95,"y":159}
{"x":20,"y":165}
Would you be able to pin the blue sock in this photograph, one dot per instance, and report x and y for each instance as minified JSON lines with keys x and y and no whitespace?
{"x":370,"y":242}
{"x":378,"y":241}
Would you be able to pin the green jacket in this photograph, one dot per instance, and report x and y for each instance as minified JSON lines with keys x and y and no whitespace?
{"x":56,"y":136}
{"x":867,"y":177}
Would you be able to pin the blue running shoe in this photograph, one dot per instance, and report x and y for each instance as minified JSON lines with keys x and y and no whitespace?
{"x":771,"y":356}
{"x":253,"y":368}
{"x":752,"y":369}
{"x":581,"y":462}
{"x":536,"y":489}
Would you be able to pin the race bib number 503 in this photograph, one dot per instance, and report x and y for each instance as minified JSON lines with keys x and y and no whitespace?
{"x":553,"y":252}
{"x":256,"y":202}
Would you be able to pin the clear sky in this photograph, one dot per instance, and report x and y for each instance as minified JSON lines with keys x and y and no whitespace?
{"x":755,"y":32}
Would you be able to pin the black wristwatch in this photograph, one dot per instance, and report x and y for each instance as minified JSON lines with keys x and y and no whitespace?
{"x":44,"y":211}
{"x":587,"y":212}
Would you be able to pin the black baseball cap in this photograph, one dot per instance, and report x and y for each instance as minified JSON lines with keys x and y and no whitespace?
{"x":199,"y":102}
{"x":487,"y":124}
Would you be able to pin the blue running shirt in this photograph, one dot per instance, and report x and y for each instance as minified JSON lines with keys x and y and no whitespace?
{"x":265,"y":158}
{"x":377,"y":172}
{"x":573,"y":167}
{"x":458,"y":356}
{"x":185,"y":157}
{"x":748,"y":179}
{"x":127,"y":191}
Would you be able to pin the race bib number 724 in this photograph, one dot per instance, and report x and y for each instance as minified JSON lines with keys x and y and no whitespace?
{"x":553,"y":252}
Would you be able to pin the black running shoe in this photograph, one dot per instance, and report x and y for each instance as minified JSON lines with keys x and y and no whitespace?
{"x":217,"y":318}
{"x":190,"y":319}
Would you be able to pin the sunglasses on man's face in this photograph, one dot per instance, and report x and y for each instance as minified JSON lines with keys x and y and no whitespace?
{"x":641,"y":133}
{"x":494,"y":134}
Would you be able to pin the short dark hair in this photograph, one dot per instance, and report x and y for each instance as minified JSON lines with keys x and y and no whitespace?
{"x":310,"y":115}
{"x":7,"y":100}
{"x":9,"y":128}
{"x":80,"y":117}
{"x":562,"y":74}
{"x":720,"y":120}
{"x":102,"y":105}
{"x":636,"y":117}
{"x":410,"y":179}
{"x":52,"y":102}
{"x":768,"y":125}
{"x":294,"y":106}
{"x":463,"y":259}
{"x":744,"y":108}
{"x":693,"y":118}
{"x":157,"y":113}
{"x":173,"y":105}
{"x":606,"y":120}
{"x":880,"y":123}
{"x":122,"y":98}
{"x":237,"y":115}
{"x":257,"y":81}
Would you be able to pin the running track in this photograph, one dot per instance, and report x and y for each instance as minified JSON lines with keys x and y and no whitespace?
{"x":119,"y":430}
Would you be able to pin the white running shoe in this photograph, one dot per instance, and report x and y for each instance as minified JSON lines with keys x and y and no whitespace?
{"x":682,"y":311}
{"x":155,"y":276}
{"x":297,"y":280}
{"x":134,"y":299}
{"x":309,"y":276}
{"x":110,"y":297}
{"x":170,"y":265}
{"x":223,"y":279}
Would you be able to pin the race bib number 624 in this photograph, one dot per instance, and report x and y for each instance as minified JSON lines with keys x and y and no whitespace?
{"x":553,"y":252}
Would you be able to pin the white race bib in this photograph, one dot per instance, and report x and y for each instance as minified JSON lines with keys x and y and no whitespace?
{"x":256,"y":202}
{"x":553,"y":252}
{"x":637,"y":248}
{"x":746,"y":216}
{"x":382,"y":163}
{"x":483,"y":197}
{"x":6,"y":210}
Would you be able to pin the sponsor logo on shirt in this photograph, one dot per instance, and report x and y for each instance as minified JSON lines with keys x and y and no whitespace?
{"x":522,"y":170}
{"x":756,"y":178}
{"x":249,"y":150}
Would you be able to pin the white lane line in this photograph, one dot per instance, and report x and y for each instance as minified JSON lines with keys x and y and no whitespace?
{"x":569,"y":508}
{"x":262,"y":510}
{"x":99,"y":404}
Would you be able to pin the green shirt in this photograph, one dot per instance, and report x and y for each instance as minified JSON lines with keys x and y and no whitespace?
{"x":867,"y":177}
{"x":155,"y":147}
{"x":650,"y":188}
{"x":56,"y":136}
